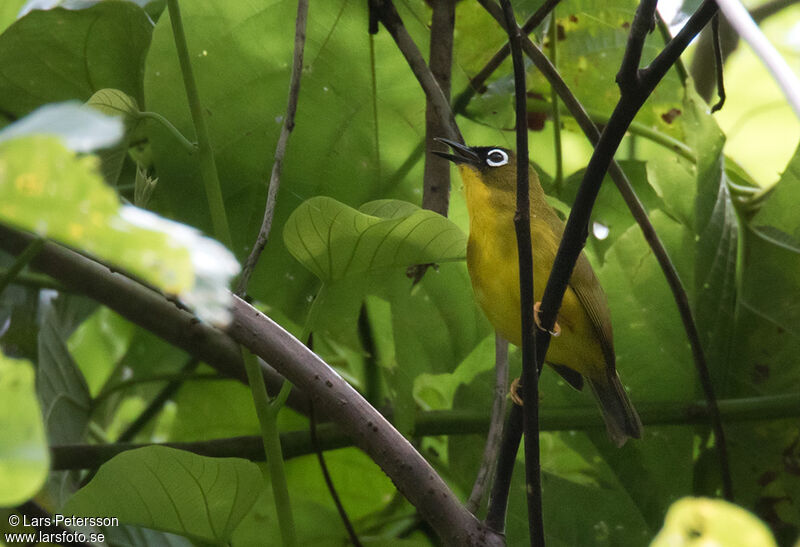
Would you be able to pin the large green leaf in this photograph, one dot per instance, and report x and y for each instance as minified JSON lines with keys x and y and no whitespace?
{"x":716,"y":254}
{"x":24,"y":458}
{"x":336,"y":241}
{"x":242,"y":60}
{"x":59,"y":54}
{"x":173,"y":491}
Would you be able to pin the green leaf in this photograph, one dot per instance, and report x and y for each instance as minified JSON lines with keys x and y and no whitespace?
{"x":115,"y":103}
{"x":8,"y":12}
{"x":716,"y":253}
{"x":46,"y":189}
{"x":336,"y":241}
{"x":24,"y":456}
{"x":98,"y":344}
{"x":780,"y":209}
{"x":172,"y":491}
{"x":61,"y":387}
{"x":610,"y":210}
{"x":437,"y":391}
{"x":57,"y":55}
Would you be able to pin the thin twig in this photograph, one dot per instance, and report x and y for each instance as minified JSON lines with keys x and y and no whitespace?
{"x":158,"y":402}
{"x":448,"y":422}
{"x":558,"y":179}
{"x":34,"y":281}
{"x":476,"y":83}
{"x":30,"y":252}
{"x":498,"y":500}
{"x":495,"y":434}
{"x":394,"y":24}
{"x":280,"y":149}
{"x":718,"y":63}
{"x":701,"y":61}
{"x":436,"y":177}
{"x":522,"y":227}
{"x":740,"y":19}
{"x":312,"y":418}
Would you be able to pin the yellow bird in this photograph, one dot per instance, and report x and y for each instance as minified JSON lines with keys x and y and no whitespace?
{"x":584,"y":348}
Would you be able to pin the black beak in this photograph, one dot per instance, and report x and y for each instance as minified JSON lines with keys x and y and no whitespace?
{"x":463,"y":154}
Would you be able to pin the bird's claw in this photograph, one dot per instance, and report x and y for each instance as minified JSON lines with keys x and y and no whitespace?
{"x":556,"y":328}
{"x":515,"y":394}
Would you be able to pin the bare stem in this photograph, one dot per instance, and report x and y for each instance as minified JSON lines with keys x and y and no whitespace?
{"x":208,"y":166}
{"x":522,"y":227}
{"x":280,"y":149}
{"x":495,"y":433}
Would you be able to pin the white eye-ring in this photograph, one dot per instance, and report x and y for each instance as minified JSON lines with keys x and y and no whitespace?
{"x":496,"y":158}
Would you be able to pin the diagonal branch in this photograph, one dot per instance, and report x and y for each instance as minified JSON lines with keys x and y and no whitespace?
{"x":391,"y":20}
{"x":414,"y":477}
{"x":476,"y":83}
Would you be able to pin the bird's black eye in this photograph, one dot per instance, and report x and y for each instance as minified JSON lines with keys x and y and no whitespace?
{"x":496,"y":158}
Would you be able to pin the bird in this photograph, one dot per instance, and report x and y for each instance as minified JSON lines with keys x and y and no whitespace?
{"x":584,"y":347}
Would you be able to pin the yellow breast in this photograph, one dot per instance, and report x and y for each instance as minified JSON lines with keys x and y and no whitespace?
{"x":492,"y":261}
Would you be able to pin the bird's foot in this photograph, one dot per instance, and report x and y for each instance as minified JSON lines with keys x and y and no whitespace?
{"x":556,"y":328}
{"x":515,"y":393}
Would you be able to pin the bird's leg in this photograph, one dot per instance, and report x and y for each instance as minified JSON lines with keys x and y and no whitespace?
{"x":513,"y":391}
{"x":556,"y":328}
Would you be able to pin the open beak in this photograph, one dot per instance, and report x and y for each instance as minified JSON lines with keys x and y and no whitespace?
{"x":463,"y":154}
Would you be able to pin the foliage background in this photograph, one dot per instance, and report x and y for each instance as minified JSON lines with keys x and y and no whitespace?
{"x":432,"y":348}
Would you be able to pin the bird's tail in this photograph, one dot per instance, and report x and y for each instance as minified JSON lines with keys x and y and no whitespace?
{"x":621,"y":418}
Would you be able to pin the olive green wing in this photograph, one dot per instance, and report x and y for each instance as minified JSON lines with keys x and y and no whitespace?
{"x":587,"y":288}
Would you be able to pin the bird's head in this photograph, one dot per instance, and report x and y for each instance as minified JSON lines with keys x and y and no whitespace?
{"x":493,"y":165}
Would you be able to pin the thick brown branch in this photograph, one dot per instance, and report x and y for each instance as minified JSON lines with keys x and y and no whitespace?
{"x":436,"y":180}
{"x":337,"y":400}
